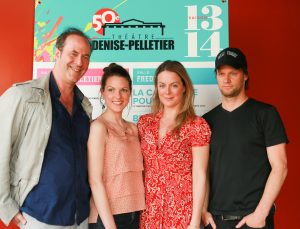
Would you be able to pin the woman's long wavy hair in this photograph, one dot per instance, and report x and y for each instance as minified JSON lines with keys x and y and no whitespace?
{"x":186,"y":112}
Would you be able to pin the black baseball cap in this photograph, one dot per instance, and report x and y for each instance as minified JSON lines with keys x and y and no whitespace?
{"x":233,"y":57}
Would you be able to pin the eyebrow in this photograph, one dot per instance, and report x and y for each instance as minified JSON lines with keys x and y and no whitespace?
{"x":169,"y":83}
{"x":75,"y":51}
{"x":115,"y":87}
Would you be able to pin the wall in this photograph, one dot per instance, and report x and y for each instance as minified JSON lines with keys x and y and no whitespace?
{"x":265,"y":30}
{"x":267,"y":33}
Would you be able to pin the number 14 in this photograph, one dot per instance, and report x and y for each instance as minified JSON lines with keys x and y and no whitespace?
{"x":211,"y":22}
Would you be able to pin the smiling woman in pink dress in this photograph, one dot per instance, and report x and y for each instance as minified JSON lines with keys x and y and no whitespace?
{"x":175,"y":146}
{"x":115,"y":162}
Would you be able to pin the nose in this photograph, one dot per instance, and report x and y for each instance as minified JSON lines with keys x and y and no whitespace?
{"x":168,"y":90}
{"x":227,"y":78}
{"x":118,"y":94}
{"x":79,"y":61}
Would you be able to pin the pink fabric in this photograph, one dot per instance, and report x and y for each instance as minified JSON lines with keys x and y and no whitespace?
{"x":123,"y":168}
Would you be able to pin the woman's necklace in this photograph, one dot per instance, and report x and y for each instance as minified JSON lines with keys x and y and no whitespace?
{"x":120,"y":130}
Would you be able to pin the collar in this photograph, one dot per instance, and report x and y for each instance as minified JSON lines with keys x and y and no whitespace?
{"x":55,"y":92}
{"x":158,"y":115}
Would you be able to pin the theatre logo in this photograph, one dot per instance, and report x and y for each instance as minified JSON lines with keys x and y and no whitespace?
{"x":132,"y":34}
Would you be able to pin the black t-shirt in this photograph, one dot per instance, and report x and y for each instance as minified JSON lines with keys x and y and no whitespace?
{"x":239,"y":165}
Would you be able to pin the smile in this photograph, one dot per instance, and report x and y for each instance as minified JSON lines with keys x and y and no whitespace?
{"x":76,"y":69}
{"x":117,"y":102}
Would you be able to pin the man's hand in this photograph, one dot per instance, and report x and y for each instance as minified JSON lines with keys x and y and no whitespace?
{"x":208,"y":219}
{"x":253,"y":220}
{"x":19,"y":219}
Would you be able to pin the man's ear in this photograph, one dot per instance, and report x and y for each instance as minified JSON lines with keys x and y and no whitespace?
{"x":57,"y":54}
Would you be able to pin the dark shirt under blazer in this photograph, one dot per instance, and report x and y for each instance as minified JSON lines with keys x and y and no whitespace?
{"x":62,"y":194}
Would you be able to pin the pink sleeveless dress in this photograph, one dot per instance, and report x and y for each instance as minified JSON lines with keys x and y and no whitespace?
{"x":123,"y":170}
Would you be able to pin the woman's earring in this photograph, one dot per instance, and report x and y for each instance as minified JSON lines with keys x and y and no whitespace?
{"x":102,"y":103}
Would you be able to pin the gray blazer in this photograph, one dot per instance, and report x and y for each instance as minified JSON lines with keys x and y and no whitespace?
{"x":25,"y":123}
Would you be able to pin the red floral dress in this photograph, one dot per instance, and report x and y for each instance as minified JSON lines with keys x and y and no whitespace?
{"x":168,"y":171}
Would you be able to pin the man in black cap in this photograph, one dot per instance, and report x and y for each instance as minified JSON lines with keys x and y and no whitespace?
{"x":248,"y":162}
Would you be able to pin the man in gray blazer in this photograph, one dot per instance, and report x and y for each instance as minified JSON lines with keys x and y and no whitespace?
{"x":44,"y":130}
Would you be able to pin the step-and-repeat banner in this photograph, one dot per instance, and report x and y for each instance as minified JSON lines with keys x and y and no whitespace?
{"x":139,"y":35}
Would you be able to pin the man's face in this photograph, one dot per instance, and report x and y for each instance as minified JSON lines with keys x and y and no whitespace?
{"x":73,"y":60}
{"x":231,"y":81}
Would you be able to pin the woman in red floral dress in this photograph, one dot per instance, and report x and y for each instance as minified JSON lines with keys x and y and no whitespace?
{"x":175,"y":146}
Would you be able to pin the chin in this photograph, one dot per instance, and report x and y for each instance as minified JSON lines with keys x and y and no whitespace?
{"x":117,"y":110}
{"x":75,"y":78}
{"x":171,"y":105}
{"x":230,"y":95}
